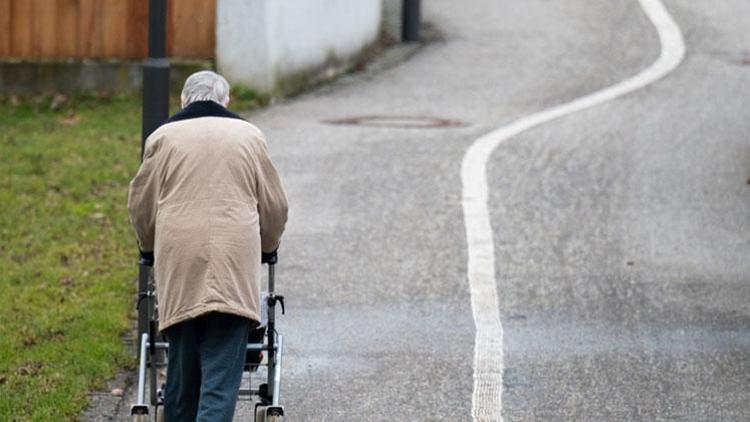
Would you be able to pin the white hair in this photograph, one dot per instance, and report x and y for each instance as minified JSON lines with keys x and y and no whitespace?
{"x":205,"y":86}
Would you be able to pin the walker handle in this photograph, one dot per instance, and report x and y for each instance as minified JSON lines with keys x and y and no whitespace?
{"x":269,"y":258}
{"x":146,"y":258}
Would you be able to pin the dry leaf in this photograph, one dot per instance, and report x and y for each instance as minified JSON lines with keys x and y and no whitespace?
{"x":69,"y":120}
{"x":57,"y":101}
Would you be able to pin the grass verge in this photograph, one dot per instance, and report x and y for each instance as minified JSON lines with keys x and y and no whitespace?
{"x":67,"y":261}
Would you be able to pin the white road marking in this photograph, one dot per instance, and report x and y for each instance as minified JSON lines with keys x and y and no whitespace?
{"x":486,"y":403}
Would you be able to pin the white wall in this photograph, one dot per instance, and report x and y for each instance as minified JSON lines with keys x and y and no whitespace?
{"x":260,"y":42}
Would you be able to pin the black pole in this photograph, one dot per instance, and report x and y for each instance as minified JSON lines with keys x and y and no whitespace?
{"x":155,"y":112}
{"x":411,"y":21}
{"x":155,"y":71}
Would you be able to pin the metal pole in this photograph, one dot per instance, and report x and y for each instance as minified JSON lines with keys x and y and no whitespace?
{"x":144,"y":300}
{"x":141,"y":397}
{"x":155,"y":112}
{"x":277,"y":371}
{"x":155,"y":71}
{"x":271,"y":329}
{"x":411,"y":21}
{"x":271,"y":278}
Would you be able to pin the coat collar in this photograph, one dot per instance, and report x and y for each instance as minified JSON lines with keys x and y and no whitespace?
{"x":203,"y":109}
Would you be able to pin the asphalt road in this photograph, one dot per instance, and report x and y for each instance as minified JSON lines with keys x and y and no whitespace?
{"x":620,"y":232}
{"x":621,"y":235}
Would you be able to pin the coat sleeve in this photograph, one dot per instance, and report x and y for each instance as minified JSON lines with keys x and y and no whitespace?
{"x":272,"y":201}
{"x":144,"y":196}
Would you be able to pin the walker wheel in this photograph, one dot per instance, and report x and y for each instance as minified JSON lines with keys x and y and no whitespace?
{"x":274,"y":414}
{"x":260,"y":413}
{"x":158,"y":416}
{"x":159,"y":413}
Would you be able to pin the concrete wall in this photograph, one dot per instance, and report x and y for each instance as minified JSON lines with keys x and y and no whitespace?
{"x":111,"y":76}
{"x":392,"y":22}
{"x":278,"y":46}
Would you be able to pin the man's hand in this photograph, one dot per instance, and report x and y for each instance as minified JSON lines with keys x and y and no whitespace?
{"x":147,"y":258}
{"x":269,"y":257}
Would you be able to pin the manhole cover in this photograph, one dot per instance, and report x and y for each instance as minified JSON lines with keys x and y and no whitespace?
{"x":410,"y":122}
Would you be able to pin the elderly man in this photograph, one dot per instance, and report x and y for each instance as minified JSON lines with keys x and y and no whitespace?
{"x":206,"y":203}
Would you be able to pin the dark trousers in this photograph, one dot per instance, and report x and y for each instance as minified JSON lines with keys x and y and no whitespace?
{"x":206,"y":356}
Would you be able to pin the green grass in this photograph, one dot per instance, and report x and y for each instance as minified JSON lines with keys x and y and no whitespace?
{"x":67,"y":251}
{"x":243,"y":98}
{"x":66,"y":257}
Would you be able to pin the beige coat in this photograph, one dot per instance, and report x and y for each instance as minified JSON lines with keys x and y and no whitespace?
{"x":207,"y":199}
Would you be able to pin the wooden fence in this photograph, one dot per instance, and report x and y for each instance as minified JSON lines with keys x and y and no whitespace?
{"x":102,"y":29}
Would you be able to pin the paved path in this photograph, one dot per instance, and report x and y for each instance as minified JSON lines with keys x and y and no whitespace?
{"x":620,"y":232}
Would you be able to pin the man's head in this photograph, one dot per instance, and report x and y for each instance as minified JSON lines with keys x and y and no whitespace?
{"x":205,"y":86}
